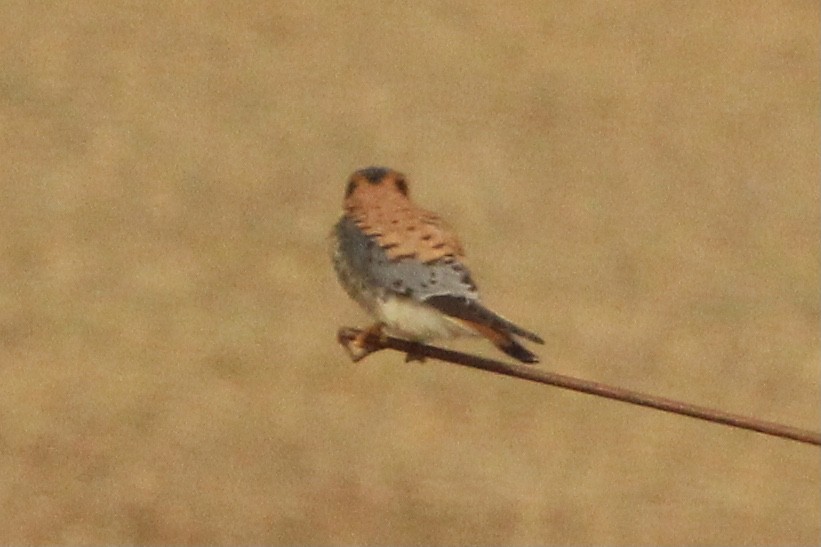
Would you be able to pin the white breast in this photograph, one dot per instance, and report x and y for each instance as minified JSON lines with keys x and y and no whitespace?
{"x":416,"y":321}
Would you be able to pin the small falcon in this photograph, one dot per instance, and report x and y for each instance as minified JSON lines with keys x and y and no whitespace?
{"x":407,"y":269}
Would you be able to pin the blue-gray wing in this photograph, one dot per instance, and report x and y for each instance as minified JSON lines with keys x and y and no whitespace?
{"x":405,"y":276}
{"x":444,"y":284}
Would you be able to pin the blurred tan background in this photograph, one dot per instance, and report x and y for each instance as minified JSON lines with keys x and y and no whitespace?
{"x":636,"y":181}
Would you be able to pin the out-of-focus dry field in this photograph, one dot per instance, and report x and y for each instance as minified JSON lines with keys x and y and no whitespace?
{"x":636,"y":181}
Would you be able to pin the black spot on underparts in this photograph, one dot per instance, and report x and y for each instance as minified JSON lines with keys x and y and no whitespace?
{"x":438,"y":245}
{"x":367,"y":229}
{"x":411,"y":228}
{"x":465,"y":278}
{"x":427,"y":237}
{"x":423,"y":285}
{"x":401,"y":288}
{"x":373,"y":174}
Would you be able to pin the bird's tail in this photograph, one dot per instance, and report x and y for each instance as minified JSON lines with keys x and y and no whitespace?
{"x":505,"y":342}
{"x":491,"y":325}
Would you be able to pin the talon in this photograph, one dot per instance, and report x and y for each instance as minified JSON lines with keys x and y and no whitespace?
{"x":360,"y":344}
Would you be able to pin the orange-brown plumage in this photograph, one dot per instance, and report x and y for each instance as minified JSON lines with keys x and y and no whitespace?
{"x":385,"y":212}
{"x":405,"y":266}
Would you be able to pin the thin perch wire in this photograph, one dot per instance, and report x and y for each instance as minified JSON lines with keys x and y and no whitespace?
{"x":346,"y":336}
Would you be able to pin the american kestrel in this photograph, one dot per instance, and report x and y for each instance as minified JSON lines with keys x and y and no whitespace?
{"x":406,"y":267}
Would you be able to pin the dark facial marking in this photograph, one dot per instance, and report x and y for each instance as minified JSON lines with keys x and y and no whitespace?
{"x":402,"y":185}
{"x":351,"y":186}
{"x":373,"y":174}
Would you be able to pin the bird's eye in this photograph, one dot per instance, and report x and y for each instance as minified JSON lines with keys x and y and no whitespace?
{"x":349,"y":190}
{"x":402,"y":186}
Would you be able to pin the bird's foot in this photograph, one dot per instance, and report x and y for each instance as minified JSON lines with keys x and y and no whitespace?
{"x":361,"y":343}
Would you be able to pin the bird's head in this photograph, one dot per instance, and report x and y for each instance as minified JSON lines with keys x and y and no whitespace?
{"x":375,"y":184}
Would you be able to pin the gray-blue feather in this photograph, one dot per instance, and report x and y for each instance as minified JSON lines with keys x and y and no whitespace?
{"x":444,"y":284}
{"x":405,"y":276}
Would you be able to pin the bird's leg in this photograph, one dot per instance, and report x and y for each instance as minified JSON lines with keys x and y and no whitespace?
{"x":410,"y":357}
{"x":360,"y":344}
